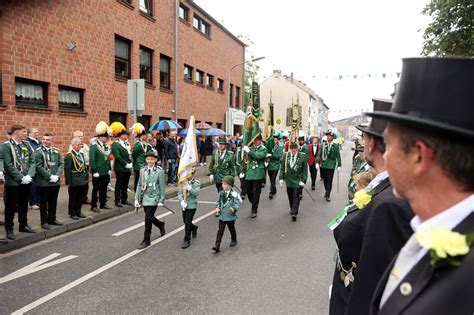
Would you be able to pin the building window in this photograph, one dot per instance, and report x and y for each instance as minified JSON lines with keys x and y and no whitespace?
{"x":231,"y":94}
{"x":220,"y":85}
{"x":183,"y":12}
{"x":126,"y":1}
{"x":200,"y":77}
{"x":209,"y":123}
{"x":188,"y":72}
{"x":210,"y":80}
{"x":182,"y":122}
{"x":71,"y":99}
{"x":122,"y":57}
{"x":145,"y":120}
{"x":237,"y":96}
{"x":219,"y":126}
{"x":165,"y":70}
{"x":201,"y":25}
{"x":30,"y":93}
{"x":146,"y":6}
{"x":120,"y":117}
{"x":146,"y":64}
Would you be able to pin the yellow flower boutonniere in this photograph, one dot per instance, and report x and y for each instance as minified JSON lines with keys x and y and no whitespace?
{"x":446,"y":247}
{"x":55,"y":151}
{"x":362,"y":198}
{"x":24,"y":149}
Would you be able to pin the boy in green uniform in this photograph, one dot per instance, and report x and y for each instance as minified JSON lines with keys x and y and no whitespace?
{"x":330,"y":159}
{"x":99,"y":161}
{"x":227,"y":206}
{"x":49,"y":167}
{"x":140,"y":149}
{"x":222,"y":164}
{"x":75,"y":171}
{"x":274,"y":165}
{"x":150,"y":194}
{"x":294,"y":171}
{"x":19,"y":168}
{"x":122,"y":163}
{"x":189,"y":206}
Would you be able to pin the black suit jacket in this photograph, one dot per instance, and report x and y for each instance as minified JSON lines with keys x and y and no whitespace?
{"x":435,"y":291}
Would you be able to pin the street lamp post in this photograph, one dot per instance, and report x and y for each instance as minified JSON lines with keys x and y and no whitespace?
{"x":229,"y":118}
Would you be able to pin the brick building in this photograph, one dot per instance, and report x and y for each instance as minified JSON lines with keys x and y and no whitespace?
{"x":64,"y":65}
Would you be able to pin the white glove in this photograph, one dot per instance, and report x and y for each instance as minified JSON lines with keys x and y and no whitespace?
{"x":301,"y":184}
{"x":211,"y":178}
{"x":128,"y":166}
{"x":137,"y":204}
{"x":110,"y":173}
{"x":246,"y":149}
{"x":2,"y":177}
{"x":281,"y":182}
{"x":53,"y":178}
{"x":338,"y":168}
{"x":95,"y":175}
{"x":241,"y":175}
{"x":26,"y":179}
{"x":317,"y":166}
{"x":160,"y":204}
{"x":269,"y":154}
{"x":183,"y":204}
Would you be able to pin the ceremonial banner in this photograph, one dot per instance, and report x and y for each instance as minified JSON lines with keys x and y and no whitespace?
{"x":251,"y":128}
{"x":189,"y":156}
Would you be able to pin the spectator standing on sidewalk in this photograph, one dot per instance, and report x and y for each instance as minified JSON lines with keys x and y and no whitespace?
{"x":171,"y":155}
{"x":75,"y":173}
{"x":85,"y":152}
{"x":123,"y":165}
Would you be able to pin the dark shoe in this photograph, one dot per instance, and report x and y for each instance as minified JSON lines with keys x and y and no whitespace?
{"x":80,"y":215}
{"x":117,"y":204}
{"x":242,"y":196}
{"x":194,"y":232}
{"x":312,"y":188}
{"x":253,"y":215}
{"x":328,"y":199}
{"x":74,"y":217}
{"x":185,"y":244}
{"x":55,"y":223}
{"x":143,"y":244}
{"x":45,"y":226}
{"x":126,"y":203}
{"x":233,"y":243}
{"x":105,"y":207}
{"x":270,"y":196}
{"x":85,"y":202}
{"x":293,"y":217}
{"x":162,"y":228}
{"x":95,"y":210}
{"x":11,"y":235}
{"x":217,"y":247}
{"x":27,"y":229}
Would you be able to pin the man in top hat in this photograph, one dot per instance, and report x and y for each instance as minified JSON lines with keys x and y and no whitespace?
{"x":313,"y":152}
{"x":430,"y":158}
{"x":295,"y":172}
{"x":19,"y":170}
{"x":140,"y":148}
{"x":49,"y":167}
{"x":255,"y":172}
{"x":222,"y":164}
{"x":75,"y":173}
{"x":375,"y":232}
{"x":274,"y":163}
{"x":330,"y":159}
{"x":122,"y":163}
{"x":99,"y":162}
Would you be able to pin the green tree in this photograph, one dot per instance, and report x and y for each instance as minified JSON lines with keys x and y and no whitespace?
{"x":451,"y":31}
{"x":251,"y":68}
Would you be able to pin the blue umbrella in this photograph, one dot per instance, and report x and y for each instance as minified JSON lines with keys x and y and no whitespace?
{"x":164,"y":125}
{"x":214,"y":132}
{"x":184,"y":132}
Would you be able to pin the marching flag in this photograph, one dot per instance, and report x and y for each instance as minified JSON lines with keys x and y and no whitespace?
{"x":189,"y":156}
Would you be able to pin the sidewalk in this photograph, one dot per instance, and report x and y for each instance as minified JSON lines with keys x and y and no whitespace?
{"x":24,"y":239}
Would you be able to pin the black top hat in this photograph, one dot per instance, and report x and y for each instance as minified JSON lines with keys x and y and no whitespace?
{"x":377,"y":126}
{"x":435,"y":93}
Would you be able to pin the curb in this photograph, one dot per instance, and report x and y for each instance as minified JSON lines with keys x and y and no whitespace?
{"x":72,"y":225}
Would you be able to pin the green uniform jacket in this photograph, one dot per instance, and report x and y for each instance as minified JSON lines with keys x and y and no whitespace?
{"x":151,"y":187}
{"x":333,"y":159}
{"x":296,"y":174}
{"x":275,"y":159}
{"x":227,"y":201}
{"x":24,"y":165}
{"x":138,"y":155}
{"x":256,"y":163}
{"x":222,"y":167}
{"x":304,"y":149}
{"x":75,"y":169}
{"x":121,"y":157}
{"x":238,"y":156}
{"x":99,"y":159}
{"x":192,"y":195}
{"x":45,"y":167}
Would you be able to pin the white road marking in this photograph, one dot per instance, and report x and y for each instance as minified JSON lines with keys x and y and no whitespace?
{"x":94,"y":273}
{"x":206,"y":202}
{"x":36,"y":266}
{"x":136,"y":226}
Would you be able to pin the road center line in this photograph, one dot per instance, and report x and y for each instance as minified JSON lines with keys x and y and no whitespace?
{"x":136,"y":226}
{"x":207,"y":202}
{"x":96,"y":272}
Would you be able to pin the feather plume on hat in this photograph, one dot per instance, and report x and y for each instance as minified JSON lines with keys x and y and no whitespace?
{"x":138,"y":129}
{"x":118,"y":128}
{"x":102,"y":129}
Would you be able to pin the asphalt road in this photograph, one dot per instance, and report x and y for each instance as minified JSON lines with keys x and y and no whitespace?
{"x":278,"y":266}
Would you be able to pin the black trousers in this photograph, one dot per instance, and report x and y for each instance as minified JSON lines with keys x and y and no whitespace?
{"x":273,"y":175}
{"x":99,"y":185}
{"x":121,"y":186}
{"x":149,"y":220}
{"x":135,"y":180}
{"x":328,"y":175}
{"x":254,"y":188}
{"x":85,"y":191}
{"x":231,"y":226}
{"x":243,"y":186}
{"x":294,"y":198}
{"x":188,"y":216}
{"x":76,"y":194}
{"x":48,"y":203}
{"x":314,"y":173}
{"x":219,"y":187}
{"x":17,"y":201}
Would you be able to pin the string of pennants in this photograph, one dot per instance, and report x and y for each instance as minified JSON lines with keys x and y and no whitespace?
{"x":340,"y":77}
{"x":352,"y":110}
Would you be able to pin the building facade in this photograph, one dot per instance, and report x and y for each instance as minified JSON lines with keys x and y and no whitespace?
{"x":64,"y":65}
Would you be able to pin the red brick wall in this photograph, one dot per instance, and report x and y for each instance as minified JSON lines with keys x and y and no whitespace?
{"x":34,"y":35}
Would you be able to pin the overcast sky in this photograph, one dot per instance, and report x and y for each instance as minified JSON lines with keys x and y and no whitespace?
{"x":319,"y":40}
